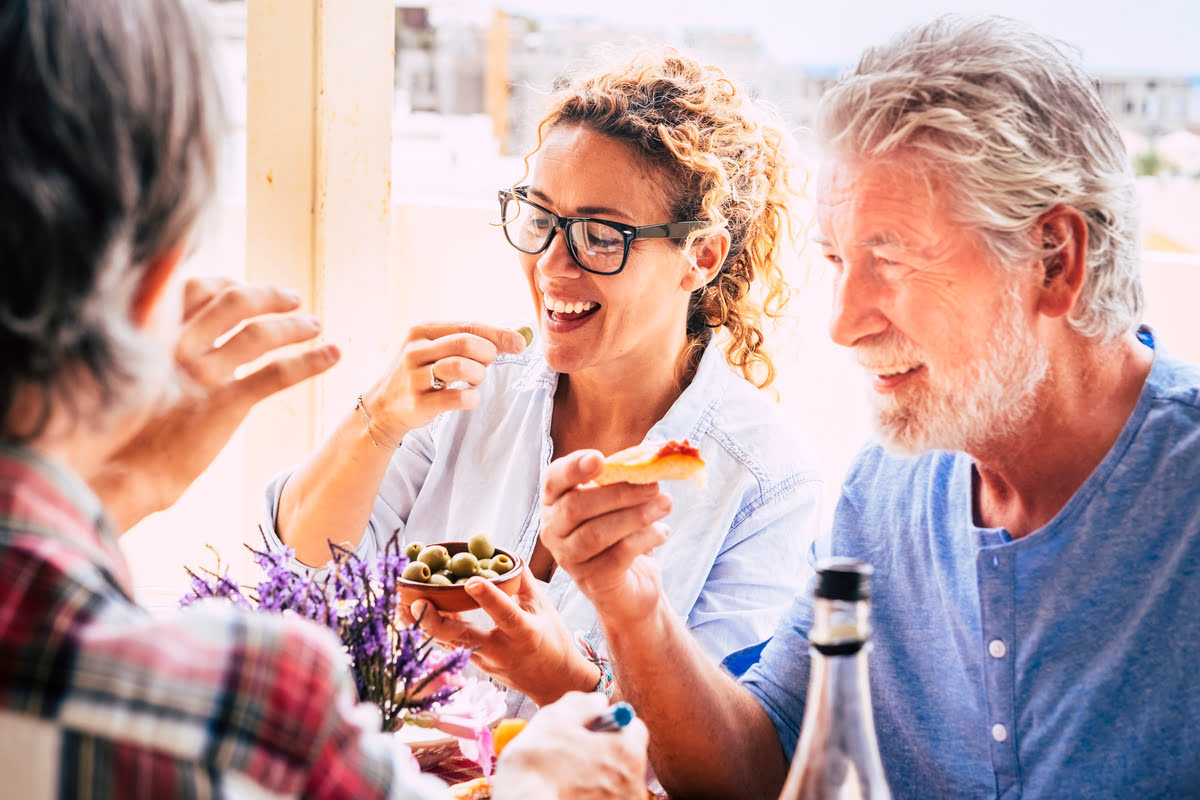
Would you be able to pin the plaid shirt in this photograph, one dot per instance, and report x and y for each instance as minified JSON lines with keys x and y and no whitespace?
{"x":100,"y":700}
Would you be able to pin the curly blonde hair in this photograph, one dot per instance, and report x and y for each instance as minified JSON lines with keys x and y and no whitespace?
{"x":724,"y":160}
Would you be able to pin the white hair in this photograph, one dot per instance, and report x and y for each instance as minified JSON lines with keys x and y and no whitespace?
{"x":109,"y":122}
{"x":1017,"y":127}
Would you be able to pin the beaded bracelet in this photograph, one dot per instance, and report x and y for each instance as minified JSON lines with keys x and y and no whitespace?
{"x":606,"y":671}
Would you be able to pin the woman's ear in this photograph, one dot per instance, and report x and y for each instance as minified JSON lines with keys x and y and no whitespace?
{"x":707,"y":256}
{"x":154,"y":280}
{"x":1063,"y":236}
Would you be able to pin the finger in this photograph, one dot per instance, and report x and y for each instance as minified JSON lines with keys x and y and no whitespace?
{"x":567,"y":472}
{"x":444,"y":628}
{"x":229,"y":308}
{"x":255,"y":340}
{"x":507,"y":615}
{"x":283,"y":373}
{"x":419,"y":355}
{"x":574,"y":707}
{"x":505,"y":340}
{"x":590,"y":502}
{"x":457,"y":368}
{"x":448,"y":399}
{"x":198,"y":291}
{"x":618,"y":558}
{"x":636,"y":736}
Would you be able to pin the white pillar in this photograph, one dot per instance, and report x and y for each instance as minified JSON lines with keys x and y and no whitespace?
{"x":319,"y":123}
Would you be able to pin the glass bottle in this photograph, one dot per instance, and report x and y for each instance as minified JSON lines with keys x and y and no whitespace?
{"x":838,"y":755}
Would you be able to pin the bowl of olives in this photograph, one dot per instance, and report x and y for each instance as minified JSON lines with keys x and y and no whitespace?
{"x":437,"y":572}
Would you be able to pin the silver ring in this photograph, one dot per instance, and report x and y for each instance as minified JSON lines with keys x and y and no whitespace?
{"x":435,"y":383}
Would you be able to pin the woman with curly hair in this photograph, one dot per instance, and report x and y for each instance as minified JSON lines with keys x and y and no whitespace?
{"x":648,"y":229}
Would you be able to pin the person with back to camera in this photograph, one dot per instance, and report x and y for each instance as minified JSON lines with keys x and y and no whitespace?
{"x":109,"y":122}
{"x":1031,"y":507}
{"x":654,"y":210}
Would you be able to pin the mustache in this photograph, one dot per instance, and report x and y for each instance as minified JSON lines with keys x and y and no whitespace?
{"x":887,"y":349}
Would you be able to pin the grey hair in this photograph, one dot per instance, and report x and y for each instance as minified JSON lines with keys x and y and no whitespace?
{"x":110,"y":117}
{"x":1012,"y":120}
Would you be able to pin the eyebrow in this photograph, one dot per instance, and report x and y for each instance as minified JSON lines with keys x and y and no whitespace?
{"x":585,"y":210}
{"x":885,"y":239}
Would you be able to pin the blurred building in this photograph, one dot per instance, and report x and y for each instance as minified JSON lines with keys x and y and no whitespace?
{"x":506,"y":65}
{"x":1149,"y":105}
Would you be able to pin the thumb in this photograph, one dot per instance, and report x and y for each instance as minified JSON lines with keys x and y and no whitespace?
{"x":569,"y":471}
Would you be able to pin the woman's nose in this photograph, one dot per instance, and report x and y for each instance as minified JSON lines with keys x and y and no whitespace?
{"x":556,"y":259}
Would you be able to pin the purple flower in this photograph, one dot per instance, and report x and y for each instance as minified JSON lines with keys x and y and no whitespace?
{"x":395,"y":666}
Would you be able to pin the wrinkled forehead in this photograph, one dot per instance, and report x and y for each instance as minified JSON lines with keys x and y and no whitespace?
{"x":848,"y":188}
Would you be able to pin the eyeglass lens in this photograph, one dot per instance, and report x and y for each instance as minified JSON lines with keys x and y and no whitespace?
{"x":596,"y":245}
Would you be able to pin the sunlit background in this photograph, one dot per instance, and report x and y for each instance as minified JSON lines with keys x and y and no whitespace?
{"x":470,"y":78}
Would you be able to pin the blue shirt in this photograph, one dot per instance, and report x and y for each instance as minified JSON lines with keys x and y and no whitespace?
{"x":735,"y":557}
{"x":1062,"y":664}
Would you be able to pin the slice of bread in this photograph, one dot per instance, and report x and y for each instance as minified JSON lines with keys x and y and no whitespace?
{"x":654,"y":461}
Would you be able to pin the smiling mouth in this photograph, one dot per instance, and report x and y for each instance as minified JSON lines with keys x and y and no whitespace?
{"x":564,"y":311}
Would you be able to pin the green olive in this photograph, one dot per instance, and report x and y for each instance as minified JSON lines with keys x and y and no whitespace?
{"x":490,"y":574}
{"x":479,"y":546}
{"x":436,"y":556}
{"x":439,"y":579}
{"x":464,"y":565}
{"x":501,"y":563}
{"x":485,"y":563}
{"x":416,"y":571}
{"x":413,"y":549}
{"x":445,"y":573}
{"x":457,"y":581}
{"x":527,"y":332}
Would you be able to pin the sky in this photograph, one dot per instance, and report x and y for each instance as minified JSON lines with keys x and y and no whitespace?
{"x":1139,"y":36}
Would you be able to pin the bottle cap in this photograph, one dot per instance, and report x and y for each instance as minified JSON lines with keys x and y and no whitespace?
{"x":845,"y":579}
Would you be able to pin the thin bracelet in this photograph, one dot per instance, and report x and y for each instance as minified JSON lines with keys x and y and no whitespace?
{"x":605,"y":686}
{"x":367,"y":420}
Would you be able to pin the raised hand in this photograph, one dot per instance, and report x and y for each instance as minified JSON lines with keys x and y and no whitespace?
{"x":556,"y":756}
{"x":528,"y":649}
{"x":227,"y":327}
{"x":602,"y":535}
{"x":417,"y":386}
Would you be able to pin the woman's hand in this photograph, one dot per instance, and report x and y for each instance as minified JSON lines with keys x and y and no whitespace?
{"x":448,"y":352}
{"x":557,"y":756}
{"x":529,"y":648}
{"x":603,"y":535}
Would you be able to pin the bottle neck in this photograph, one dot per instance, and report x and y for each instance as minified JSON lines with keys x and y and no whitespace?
{"x":838,"y":755}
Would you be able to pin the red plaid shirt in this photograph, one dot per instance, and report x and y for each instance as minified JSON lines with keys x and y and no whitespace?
{"x":100,"y":700}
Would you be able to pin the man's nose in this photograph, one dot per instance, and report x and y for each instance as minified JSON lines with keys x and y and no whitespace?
{"x":856,"y":306}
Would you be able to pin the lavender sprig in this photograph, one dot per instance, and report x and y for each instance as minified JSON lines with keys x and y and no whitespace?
{"x":394,"y":665}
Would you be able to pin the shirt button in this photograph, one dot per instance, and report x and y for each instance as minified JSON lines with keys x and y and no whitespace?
{"x":997,"y":648}
{"x":999,"y":732}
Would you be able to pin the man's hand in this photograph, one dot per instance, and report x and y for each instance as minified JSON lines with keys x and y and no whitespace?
{"x":226,"y":328}
{"x":557,"y":757}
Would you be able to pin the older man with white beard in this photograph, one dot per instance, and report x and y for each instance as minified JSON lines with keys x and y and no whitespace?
{"x":1031,"y":508}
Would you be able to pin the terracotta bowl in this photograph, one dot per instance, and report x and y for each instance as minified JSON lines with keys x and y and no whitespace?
{"x":455,"y":598}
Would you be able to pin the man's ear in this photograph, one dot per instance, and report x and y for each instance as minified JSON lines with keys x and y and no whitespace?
{"x":1063,"y":235}
{"x":707,"y":257}
{"x":154,"y":280}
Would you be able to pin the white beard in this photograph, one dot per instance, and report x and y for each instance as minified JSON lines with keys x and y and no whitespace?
{"x":965,"y":406}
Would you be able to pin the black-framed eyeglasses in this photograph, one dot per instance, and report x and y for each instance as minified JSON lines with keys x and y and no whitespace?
{"x":597,"y":245}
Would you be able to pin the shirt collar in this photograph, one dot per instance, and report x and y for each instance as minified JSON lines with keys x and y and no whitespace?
{"x":55,"y":486}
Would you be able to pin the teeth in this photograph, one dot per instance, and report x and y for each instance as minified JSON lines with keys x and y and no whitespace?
{"x":563,"y":307}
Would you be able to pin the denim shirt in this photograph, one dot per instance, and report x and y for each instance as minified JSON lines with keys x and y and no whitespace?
{"x":735,"y":556}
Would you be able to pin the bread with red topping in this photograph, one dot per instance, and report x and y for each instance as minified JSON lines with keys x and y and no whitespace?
{"x":654,"y":461}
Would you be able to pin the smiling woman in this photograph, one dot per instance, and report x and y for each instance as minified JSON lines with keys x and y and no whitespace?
{"x":657,"y":198}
